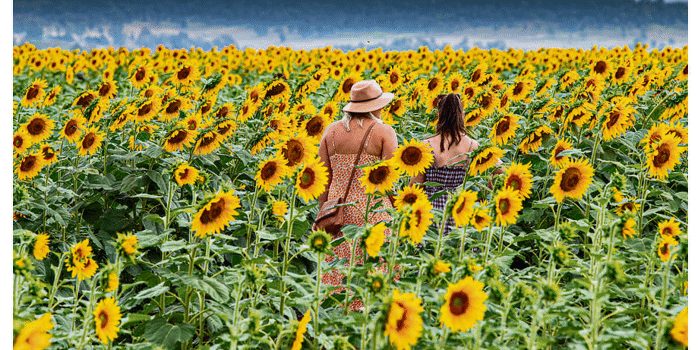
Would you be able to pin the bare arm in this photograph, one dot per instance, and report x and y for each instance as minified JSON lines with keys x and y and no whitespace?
{"x":389,"y":145}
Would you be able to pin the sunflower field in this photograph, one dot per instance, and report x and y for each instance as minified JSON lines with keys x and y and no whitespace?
{"x":165,"y":200}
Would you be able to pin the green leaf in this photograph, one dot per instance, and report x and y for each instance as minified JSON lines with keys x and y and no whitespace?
{"x":211,"y":286}
{"x":159,"y":331}
{"x":158,"y":179}
{"x":153,"y":291}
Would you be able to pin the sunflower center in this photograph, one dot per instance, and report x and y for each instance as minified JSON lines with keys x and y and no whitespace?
{"x":104,"y":318}
{"x":18,"y":141}
{"x":347,"y":85}
{"x":485,"y":101}
{"x":84,"y":101}
{"x":485,"y":159}
{"x":104,"y":89}
{"x":207,"y":140}
{"x":685,"y":70}
{"x":206,"y":107}
{"x":476,"y":75}
{"x":664,"y":249}
{"x":402,"y":321}
{"x":178,"y":137}
{"x":173,"y":107}
{"x":268,"y":170}
{"x":515,"y":182}
{"x":28,"y":163}
{"x":223,"y":129}
{"x":32,"y":92}
{"x":410,"y":198}
{"x":295,"y":152}
{"x":184,"y":174}
{"x":214,"y":211}
{"x":518,"y":88}
{"x":48,"y":154}
{"x":432,"y":84}
{"x":663,"y":156}
{"x":192,"y":124}
{"x":411,"y":155}
{"x":570,"y":179}
{"x":619,"y":73}
{"x":36,"y":126}
{"x":314,"y":126}
{"x":612,"y":120}
{"x":394,"y":78}
{"x":503,"y":126}
{"x":275,"y":90}
{"x":395,"y":106}
{"x":378,"y":175}
{"x":666,"y":231}
{"x":88,"y":140}
{"x":557,"y":151}
{"x":600,"y":67}
{"x":145,"y":109}
{"x":222,"y":112}
{"x":184,"y":73}
{"x":454,"y":85}
{"x":474,"y":117}
{"x":307,"y":178}
{"x":504,"y":100}
{"x":504,"y":205}
{"x":461,"y":205}
{"x":628,"y":207}
{"x":459,"y":303}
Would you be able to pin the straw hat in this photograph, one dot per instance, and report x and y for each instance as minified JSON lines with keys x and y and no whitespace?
{"x":367,"y":96}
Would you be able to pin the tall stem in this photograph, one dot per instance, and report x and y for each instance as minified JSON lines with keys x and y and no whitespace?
{"x":664,"y":295}
{"x":88,"y":313}
{"x":488,"y":244}
{"x":352,"y":267}
{"x":440,"y":232}
{"x":285,"y":264}
{"x":461,"y":243}
{"x":318,"y":300}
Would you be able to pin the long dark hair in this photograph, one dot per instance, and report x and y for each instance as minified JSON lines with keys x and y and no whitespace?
{"x":450,"y":120}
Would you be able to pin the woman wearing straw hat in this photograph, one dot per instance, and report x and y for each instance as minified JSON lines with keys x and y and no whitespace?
{"x":338,"y":149}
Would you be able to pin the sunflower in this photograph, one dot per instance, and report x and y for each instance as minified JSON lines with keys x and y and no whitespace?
{"x":412,"y":158}
{"x":487,"y":101}
{"x":485,"y":160}
{"x":519,"y":178}
{"x":90,"y":142}
{"x":620,"y":74}
{"x":40,"y":246}
{"x":127,"y":244}
{"x":34,"y":335}
{"x":346,"y":85}
{"x":80,"y":263}
{"x":29,"y":166}
{"x":679,"y":332}
{"x":664,"y":155}
{"x":271,"y":172}
{"x":34,"y":93}
{"x":679,"y":131}
{"x":207,"y":143}
{"x":480,"y":219}
{"x":416,"y":225}
{"x":670,"y":228}
{"x":568,"y":79}
{"x":107,"y":90}
{"x":628,"y":228}
{"x":394,"y":78}
{"x":299,"y":339}
{"x":617,"y":121}
{"x":20,"y":141}
{"x":185,"y":174}
{"x":186,"y":74}
{"x":572,"y":180}
{"x":192,"y":122}
{"x":580,"y":115}
{"x":39,"y":127}
{"x":50,"y":155}
{"x":107,"y":319}
{"x":215,"y":214}
{"x":409,"y":195}
{"x":173,"y":107}
{"x":435,"y":84}
{"x":379,"y":177}
{"x":224,"y":111}
{"x":330,"y":110}
{"x":51,"y":96}
{"x":311,"y":180}
{"x":85,"y":99}
{"x":473,"y":117}
{"x":478,"y":75}
{"x":112,"y":282}
{"x":315,"y":126}
{"x":601,"y":68}
{"x":295,"y":150}
{"x":147,"y":110}
{"x":463,"y":208}
{"x":464,"y":305}
{"x":279,"y":209}
{"x":532,"y":142}
{"x":504,"y":129}
{"x":404,"y":323}
{"x":470,"y":91}
{"x":508,"y":203}
{"x":178,"y":140}
{"x":521,"y":89}
{"x":374,"y":239}
{"x":664,"y":248}
{"x":277,"y":90}
{"x":557,"y":160}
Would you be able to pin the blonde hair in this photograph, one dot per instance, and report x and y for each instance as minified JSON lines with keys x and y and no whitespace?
{"x":347,"y":116}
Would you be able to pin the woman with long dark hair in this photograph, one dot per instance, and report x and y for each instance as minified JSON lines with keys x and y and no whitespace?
{"x":450,"y":147}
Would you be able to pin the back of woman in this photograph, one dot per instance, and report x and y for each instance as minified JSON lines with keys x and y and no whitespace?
{"x":450,"y":147}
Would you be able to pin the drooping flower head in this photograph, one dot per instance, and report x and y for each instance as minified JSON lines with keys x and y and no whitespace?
{"x":215,"y":214}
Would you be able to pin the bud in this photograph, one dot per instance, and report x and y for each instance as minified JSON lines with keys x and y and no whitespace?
{"x":560,"y":254}
{"x":375,"y":282}
{"x":492,"y":271}
{"x":568,"y":231}
{"x":499,"y":292}
{"x":319,"y":241}
{"x":550,"y":292}
{"x":615,"y":272}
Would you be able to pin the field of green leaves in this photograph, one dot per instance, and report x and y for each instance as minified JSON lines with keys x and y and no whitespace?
{"x":165,"y":199}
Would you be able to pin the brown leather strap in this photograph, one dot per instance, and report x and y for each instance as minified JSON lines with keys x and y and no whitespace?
{"x":357,"y":160}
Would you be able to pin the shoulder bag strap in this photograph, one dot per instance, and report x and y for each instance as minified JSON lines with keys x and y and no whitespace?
{"x":357,"y":160}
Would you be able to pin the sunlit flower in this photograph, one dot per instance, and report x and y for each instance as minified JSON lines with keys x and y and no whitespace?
{"x":311,"y":180}
{"x":412,"y":157}
{"x":464,"y":305}
{"x":107,"y":319}
{"x":572,"y":180}
{"x":404,"y":323}
{"x":215,"y":214}
{"x":34,"y":334}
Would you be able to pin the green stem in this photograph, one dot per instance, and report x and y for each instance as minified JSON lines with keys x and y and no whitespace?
{"x":461,"y":243}
{"x":440,"y":232}
{"x":488,"y":243}
{"x":285,"y":264}
{"x":664,"y":295}
{"x":352,"y":267}
{"x":234,"y":329}
{"x":318,"y":300}
{"x":52,"y":294}
{"x":250,"y":218}
{"x":88,"y":313}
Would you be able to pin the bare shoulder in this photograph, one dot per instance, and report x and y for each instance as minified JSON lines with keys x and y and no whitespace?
{"x":385,"y":130}
{"x":473,"y":144}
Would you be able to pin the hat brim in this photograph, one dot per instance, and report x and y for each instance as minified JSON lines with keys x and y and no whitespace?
{"x":369,"y":106}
